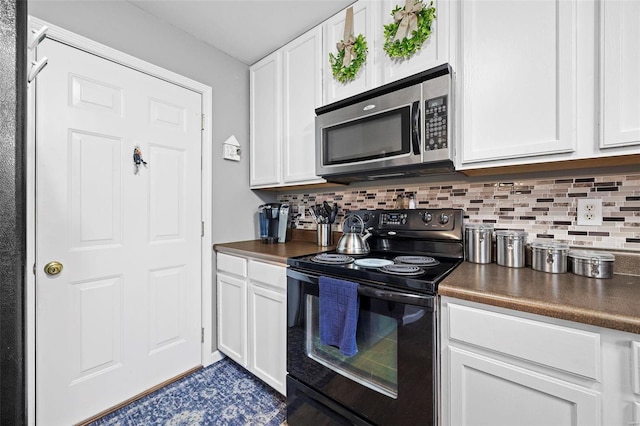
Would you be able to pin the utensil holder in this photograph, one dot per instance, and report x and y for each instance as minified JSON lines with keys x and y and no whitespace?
{"x":324,"y":234}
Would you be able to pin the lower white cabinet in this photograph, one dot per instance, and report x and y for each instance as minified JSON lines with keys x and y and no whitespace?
{"x":252,"y":314}
{"x":504,"y":367}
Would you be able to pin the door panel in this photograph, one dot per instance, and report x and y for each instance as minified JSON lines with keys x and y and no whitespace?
{"x":124,"y":313}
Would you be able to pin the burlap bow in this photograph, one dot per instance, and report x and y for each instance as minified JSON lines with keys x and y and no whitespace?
{"x":408,"y":19}
{"x":348,"y":40}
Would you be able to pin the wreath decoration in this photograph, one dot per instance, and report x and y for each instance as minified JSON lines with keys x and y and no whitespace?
{"x":352,"y":53}
{"x":410,"y":28}
{"x":343,"y":70}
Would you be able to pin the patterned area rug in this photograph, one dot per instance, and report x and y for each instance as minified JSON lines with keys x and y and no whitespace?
{"x":221,"y":394}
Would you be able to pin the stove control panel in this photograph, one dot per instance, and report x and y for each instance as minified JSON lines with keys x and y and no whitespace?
{"x":414,"y":223}
{"x":393,"y":218}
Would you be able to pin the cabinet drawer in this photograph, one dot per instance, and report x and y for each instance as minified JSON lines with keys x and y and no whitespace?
{"x":570,"y":350}
{"x":232,"y":264}
{"x":266,"y":273}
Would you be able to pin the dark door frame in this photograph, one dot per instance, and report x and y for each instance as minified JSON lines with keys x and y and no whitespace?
{"x":13,"y":113}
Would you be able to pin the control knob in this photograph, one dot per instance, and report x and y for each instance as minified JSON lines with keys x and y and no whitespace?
{"x":443,"y":219}
{"x":426,"y":217}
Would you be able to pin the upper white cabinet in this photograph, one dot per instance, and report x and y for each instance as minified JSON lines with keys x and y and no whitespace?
{"x":369,"y":16}
{"x":364,"y":22}
{"x":302,"y":72}
{"x":266,"y":121}
{"x":619,"y":73}
{"x":435,"y":51}
{"x":516,"y":79}
{"x":285,"y":90}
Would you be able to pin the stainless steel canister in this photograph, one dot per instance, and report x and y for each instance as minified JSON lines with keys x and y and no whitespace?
{"x":591,"y":263}
{"x":549,"y":257}
{"x":478,"y":238}
{"x":510,"y":248}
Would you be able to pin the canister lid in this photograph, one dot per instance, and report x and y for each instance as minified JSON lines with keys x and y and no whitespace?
{"x":549,"y":245}
{"x":479,"y":226}
{"x":588,"y":255}
{"x":511,"y":233}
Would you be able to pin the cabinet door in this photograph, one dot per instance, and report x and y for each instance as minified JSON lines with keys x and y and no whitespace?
{"x":517,"y":79}
{"x":435,"y":51}
{"x":266,"y":120}
{"x":620,"y":73}
{"x":484,"y":391}
{"x":232,"y":318}
{"x":268,"y":340}
{"x":333,"y":32}
{"x":302,"y":72}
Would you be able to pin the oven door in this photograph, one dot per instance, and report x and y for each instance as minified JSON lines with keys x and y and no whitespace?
{"x":392,"y":379}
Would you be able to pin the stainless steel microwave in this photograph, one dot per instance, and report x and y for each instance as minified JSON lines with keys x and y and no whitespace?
{"x":401,"y":129}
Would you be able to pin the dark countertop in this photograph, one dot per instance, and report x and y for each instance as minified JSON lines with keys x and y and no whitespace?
{"x":611,"y":303}
{"x":270,"y":252}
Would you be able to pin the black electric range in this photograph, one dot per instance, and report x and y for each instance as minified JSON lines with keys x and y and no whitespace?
{"x":396,"y":332}
{"x":398,"y":236}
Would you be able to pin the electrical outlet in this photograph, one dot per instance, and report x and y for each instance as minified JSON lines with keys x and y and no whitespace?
{"x":589,"y":211}
{"x":301,"y":211}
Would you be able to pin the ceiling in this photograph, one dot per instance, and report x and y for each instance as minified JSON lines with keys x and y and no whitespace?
{"x":246,"y":30}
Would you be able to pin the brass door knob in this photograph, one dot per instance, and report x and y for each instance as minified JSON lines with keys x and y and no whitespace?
{"x":53,"y":268}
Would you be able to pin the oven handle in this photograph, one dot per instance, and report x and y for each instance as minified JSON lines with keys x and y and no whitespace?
{"x":423,"y":300}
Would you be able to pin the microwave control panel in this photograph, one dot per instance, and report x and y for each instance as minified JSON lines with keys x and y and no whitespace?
{"x":435,"y":123}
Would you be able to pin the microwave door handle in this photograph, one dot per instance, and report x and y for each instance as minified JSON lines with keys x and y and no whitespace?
{"x":415,"y":127}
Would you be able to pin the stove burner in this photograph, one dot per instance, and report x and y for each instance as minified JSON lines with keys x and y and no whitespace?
{"x":332,"y":259}
{"x":399,"y":269}
{"x":417,"y":260}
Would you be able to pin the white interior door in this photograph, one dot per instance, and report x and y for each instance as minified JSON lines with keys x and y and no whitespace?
{"x":124,"y":314}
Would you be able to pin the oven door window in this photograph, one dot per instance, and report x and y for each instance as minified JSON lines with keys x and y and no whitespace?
{"x":383,"y":135}
{"x":376,"y":363}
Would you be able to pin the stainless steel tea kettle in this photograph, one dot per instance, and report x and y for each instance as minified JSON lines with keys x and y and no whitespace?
{"x":353,"y":242}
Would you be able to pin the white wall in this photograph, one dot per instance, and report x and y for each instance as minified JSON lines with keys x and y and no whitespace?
{"x":122,"y":26}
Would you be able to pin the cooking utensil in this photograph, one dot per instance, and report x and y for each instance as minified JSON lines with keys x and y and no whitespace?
{"x":353,"y":242}
{"x":334,"y":213}
{"x":327,"y":209}
{"x":312,"y":212}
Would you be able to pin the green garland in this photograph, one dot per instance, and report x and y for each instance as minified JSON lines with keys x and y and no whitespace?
{"x":407,"y":47}
{"x":345,"y":74}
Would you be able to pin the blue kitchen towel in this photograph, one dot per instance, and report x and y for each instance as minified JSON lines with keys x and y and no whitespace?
{"x":339,"y":308}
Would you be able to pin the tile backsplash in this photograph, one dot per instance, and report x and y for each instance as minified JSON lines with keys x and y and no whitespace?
{"x":544,"y":208}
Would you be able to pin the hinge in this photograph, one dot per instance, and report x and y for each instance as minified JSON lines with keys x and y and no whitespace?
{"x":202,"y":229}
{"x":202,"y":335}
{"x":202,"y":123}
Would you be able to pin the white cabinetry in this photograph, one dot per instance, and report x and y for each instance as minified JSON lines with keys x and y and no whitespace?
{"x":516,"y":79}
{"x":364,"y":22}
{"x":231,"y":285}
{"x":285,"y":90}
{"x":435,"y":51}
{"x":252,"y":316}
{"x":369,"y":16}
{"x":266,"y":121}
{"x":620,"y":73}
{"x":504,"y":367}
